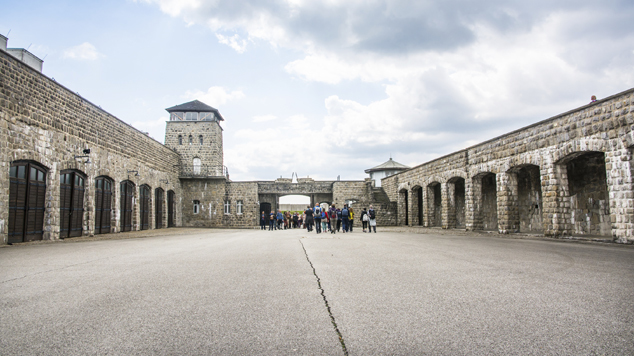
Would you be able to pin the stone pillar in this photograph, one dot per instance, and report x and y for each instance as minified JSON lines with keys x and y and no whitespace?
{"x":556,"y":197}
{"x":414,"y":213}
{"x":507,"y":203}
{"x":444,"y":206}
{"x":473,"y":192}
{"x":619,"y":166}
{"x":428,"y":200}
{"x":451,"y":206}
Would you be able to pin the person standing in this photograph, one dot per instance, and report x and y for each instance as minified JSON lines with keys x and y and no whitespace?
{"x":280,"y":219}
{"x":364,"y":219}
{"x":345,"y":217}
{"x":272,"y":221}
{"x":372,"y":216}
{"x":262,"y":221}
{"x":309,"y":218}
{"x":317,"y":217}
{"x":338,"y":219}
{"x":333,"y":219}
{"x":351,"y":221}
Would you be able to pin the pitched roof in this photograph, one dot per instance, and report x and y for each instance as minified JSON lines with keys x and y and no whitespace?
{"x":388,"y":166}
{"x":195,"y":105}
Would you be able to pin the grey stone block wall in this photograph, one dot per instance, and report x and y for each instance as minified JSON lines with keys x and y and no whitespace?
{"x":44,"y":122}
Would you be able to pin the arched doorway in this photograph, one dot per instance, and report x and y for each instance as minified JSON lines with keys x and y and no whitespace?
{"x":71,"y":197}
{"x":103,"y":205}
{"x":456,"y":195}
{"x":27,"y":195}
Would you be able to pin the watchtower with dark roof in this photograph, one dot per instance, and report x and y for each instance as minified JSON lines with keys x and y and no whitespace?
{"x":194,"y":131}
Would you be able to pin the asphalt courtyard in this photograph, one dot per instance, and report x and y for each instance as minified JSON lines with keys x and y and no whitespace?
{"x":252,"y":292}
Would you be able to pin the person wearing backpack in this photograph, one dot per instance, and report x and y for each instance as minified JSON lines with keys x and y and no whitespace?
{"x":317,"y":217}
{"x":372,"y":216}
{"x":345,"y":217}
{"x":333,"y":219}
{"x":338,"y":219}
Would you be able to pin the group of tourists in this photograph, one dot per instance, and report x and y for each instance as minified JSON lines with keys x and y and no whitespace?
{"x":320,"y":218}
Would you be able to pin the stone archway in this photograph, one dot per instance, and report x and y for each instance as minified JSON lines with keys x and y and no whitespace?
{"x":456,"y":204}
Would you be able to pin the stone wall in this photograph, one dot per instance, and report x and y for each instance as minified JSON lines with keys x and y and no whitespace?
{"x":44,"y":122}
{"x":212,"y":195}
{"x":546,"y":149}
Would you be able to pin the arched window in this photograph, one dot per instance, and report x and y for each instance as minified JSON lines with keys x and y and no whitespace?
{"x":144,"y":209}
{"x":180,"y":139}
{"x":126,"y":188}
{"x":200,"y":139}
{"x":191,"y":139}
{"x":197,"y":165}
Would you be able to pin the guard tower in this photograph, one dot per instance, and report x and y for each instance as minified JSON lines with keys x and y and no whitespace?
{"x":194,"y":131}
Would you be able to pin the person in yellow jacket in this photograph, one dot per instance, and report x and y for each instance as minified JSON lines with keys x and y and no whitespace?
{"x":351,"y":212}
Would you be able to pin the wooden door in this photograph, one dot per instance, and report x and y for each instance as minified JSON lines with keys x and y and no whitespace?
{"x":71,"y":204}
{"x":103,"y":205}
{"x":127,"y":195}
{"x":158,"y":202}
{"x":27,"y":194}
{"x":170,"y":208}
{"x":144,"y":205}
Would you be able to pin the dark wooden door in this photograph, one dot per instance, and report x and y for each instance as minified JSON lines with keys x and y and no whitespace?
{"x":127,"y":193}
{"x":27,"y":194}
{"x":266,"y":208}
{"x":144,"y":206}
{"x":170,"y":208}
{"x":103,"y":205}
{"x":158,"y":202}
{"x":71,"y":204}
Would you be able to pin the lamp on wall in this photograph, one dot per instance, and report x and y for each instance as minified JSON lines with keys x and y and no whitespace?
{"x":164,"y":180}
{"x":86,"y":152}
{"x":136,"y":173}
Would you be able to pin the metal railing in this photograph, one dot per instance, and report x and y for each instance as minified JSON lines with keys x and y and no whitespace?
{"x":203,"y":171}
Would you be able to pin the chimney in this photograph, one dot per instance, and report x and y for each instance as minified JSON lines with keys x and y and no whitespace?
{"x":3,"y":43}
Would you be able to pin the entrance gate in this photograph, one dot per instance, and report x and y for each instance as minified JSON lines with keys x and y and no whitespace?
{"x":144,"y":201}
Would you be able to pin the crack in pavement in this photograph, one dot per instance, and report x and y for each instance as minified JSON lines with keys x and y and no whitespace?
{"x":323,"y":295}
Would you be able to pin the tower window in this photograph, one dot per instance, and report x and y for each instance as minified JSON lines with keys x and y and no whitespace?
{"x":197,"y":165}
{"x":177,"y":116}
{"x":191,"y":139}
{"x":196,"y":206}
{"x":180,"y":139}
{"x":200,"y":139}
{"x":206,"y":116}
{"x":191,"y":116}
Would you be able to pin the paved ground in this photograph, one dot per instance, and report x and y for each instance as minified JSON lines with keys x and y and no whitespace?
{"x":248,"y":292}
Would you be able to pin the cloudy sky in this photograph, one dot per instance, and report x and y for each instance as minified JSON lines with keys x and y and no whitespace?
{"x":330,"y":88}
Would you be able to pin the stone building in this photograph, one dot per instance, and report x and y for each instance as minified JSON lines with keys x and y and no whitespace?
{"x":569,"y":175}
{"x":68,"y":168}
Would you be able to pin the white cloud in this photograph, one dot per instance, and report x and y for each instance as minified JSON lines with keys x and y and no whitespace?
{"x":84,"y":51}
{"x":239,"y":45}
{"x":214,"y":96}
